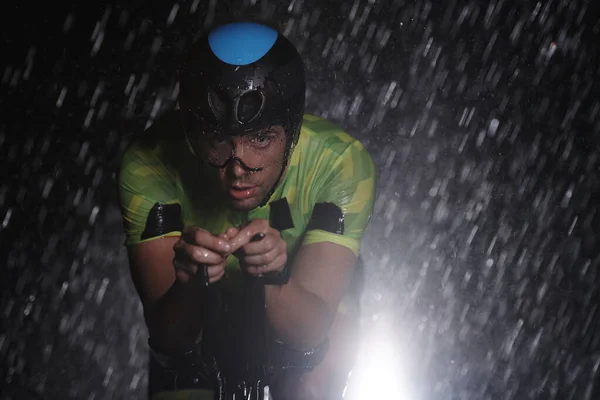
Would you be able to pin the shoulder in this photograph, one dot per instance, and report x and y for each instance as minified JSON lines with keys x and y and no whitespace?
{"x":318,"y":131}
{"x":152,"y":153}
{"x":337,"y":183}
{"x":325,"y":140}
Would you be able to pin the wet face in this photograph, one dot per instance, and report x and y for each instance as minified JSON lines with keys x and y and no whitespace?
{"x":245,"y":168}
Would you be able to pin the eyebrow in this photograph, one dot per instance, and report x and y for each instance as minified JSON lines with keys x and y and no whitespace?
{"x":265,"y":131}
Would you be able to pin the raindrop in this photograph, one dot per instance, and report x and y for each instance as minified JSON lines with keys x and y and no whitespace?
{"x":68,"y":22}
{"x":98,"y":42}
{"x":194,"y":6}
{"x":173,"y":14}
{"x":61,"y":97}
{"x":6,"y":219}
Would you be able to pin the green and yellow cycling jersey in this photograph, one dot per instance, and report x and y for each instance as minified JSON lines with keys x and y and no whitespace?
{"x":327,"y":166}
{"x":326,"y":195}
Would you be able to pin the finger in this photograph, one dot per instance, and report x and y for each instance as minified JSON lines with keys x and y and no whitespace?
{"x":214,"y":270}
{"x":182,"y":276}
{"x":274,"y":266}
{"x":217,"y":277}
{"x":229,"y":233}
{"x":179,"y":243}
{"x":227,"y":236}
{"x":257,"y":270}
{"x":188,"y":235}
{"x":245,"y":235}
{"x":197,"y":255}
{"x":203,"y":238}
{"x":272,"y":241}
{"x":224,"y":235}
{"x":260,"y":258}
{"x":188,"y":268}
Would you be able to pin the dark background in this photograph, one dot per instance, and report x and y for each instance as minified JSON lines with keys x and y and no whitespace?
{"x":482,"y":117}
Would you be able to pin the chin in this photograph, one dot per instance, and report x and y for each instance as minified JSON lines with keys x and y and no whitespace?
{"x":244,"y":205}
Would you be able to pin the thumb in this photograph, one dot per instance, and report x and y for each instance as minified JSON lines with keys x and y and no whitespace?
{"x":229,"y":233}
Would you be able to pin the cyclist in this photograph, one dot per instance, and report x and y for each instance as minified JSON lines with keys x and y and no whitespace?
{"x":236,"y":186}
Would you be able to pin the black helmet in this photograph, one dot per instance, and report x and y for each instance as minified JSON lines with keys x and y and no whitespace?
{"x":242,"y":77}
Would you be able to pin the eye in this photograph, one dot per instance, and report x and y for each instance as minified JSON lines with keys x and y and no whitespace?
{"x":262,"y":139}
{"x":217,"y":141}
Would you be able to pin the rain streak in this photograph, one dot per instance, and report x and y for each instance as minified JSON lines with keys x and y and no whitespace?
{"x":483,"y":252}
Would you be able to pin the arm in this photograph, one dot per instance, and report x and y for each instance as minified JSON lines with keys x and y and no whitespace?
{"x":173,"y":294}
{"x":173,"y":311}
{"x":302,"y":311}
{"x":162,"y":262}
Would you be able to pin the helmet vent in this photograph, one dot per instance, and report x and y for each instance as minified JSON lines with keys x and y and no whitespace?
{"x":218,"y":100}
{"x":249,"y":106}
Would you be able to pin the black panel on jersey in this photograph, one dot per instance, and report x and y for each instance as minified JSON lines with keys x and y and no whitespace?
{"x":162,"y":219}
{"x":327,"y":217}
{"x":281,"y":216}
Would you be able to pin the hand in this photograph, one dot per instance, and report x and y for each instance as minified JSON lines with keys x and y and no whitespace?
{"x":198,"y":248}
{"x":259,"y":257}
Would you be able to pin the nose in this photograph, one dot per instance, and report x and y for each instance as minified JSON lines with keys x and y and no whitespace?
{"x":236,"y":169}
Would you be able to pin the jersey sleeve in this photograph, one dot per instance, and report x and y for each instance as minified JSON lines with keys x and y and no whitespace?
{"x":345,"y":200}
{"x":148,"y":197}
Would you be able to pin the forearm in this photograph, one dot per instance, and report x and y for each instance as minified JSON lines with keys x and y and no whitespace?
{"x":176,"y":319}
{"x":297,"y":316}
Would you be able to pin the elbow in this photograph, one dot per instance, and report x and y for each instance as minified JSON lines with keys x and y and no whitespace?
{"x":309,"y":342}
{"x":312,"y":332}
{"x":318,"y":335}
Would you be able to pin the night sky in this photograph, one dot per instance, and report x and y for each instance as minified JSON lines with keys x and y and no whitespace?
{"x":483,"y":253}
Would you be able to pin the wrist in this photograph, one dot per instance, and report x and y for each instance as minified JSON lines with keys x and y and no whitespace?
{"x":279,"y":277}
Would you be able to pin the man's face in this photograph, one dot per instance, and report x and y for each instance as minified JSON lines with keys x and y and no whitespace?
{"x":245,"y":167}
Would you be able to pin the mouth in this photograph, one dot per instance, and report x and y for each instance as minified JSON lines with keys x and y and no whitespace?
{"x":242,"y":192}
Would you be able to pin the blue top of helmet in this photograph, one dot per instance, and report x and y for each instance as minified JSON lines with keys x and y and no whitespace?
{"x":241,"y":43}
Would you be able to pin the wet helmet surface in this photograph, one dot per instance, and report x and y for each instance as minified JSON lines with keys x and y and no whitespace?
{"x":240,"y":78}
